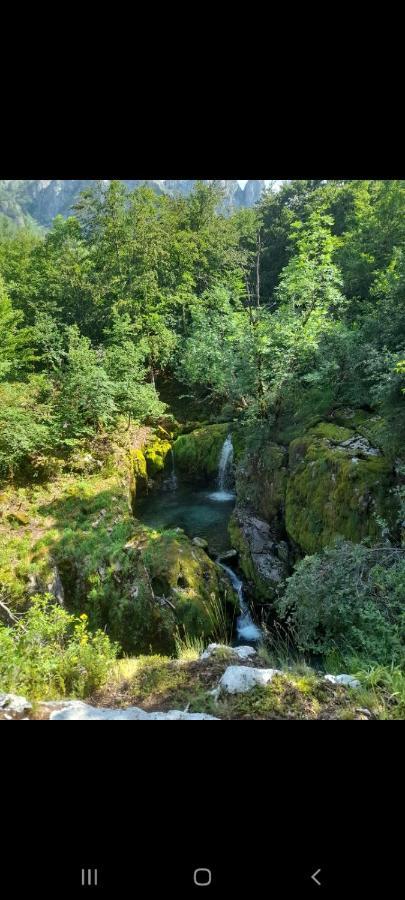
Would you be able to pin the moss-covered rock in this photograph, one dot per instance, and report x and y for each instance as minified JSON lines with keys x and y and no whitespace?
{"x":155,"y":455}
{"x":369,"y":425}
{"x":338,"y":485}
{"x":138,"y":483}
{"x":176,"y":586}
{"x":198,"y":449}
{"x":197,"y":454}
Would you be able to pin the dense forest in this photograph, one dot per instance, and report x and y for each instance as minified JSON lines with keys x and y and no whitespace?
{"x":144,"y":328}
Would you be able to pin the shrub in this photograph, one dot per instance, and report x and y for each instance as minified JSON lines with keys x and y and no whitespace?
{"x":50,"y":653}
{"x":349,"y":599}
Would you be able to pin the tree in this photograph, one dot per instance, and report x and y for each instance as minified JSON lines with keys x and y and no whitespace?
{"x":125,"y":365}
{"x":86,"y":400}
{"x":14,"y":354}
{"x":26,"y":417}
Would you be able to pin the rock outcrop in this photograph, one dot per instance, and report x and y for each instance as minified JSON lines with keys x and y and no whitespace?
{"x":295,"y":498}
{"x":43,"y":200}
{"x":263,"y":559}
{"x":338,"y":485}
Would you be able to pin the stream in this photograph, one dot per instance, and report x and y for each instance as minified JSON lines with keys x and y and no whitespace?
{"x":204,"y":513}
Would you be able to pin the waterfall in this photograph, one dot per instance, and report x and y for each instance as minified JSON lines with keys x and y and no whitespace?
{"x":224,"y":479}
{"x":225,"y":463}
{"x":246,"y":629}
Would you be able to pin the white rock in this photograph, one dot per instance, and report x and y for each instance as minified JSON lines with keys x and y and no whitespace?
{"x":77,"y":710}
{"x":241,"y":652}
{"x":239,"y":679}
{"x":200,"y":542}
{"x":244,"y":652}
{"x":347,"y":680}
{"x":12,"y":703}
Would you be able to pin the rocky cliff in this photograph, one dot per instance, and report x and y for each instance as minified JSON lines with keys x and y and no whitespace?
{"x":42,"y":200}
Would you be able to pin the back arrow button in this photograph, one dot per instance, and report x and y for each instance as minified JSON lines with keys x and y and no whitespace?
{"x":314,"y":878}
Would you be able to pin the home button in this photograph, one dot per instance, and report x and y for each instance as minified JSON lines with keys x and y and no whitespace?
{"x":202,"y":877}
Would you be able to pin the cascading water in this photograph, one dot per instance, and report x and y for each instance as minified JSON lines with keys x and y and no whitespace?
{"x":173,"y":477}
{"x":224,"y":472}
{"x":246,"y":629}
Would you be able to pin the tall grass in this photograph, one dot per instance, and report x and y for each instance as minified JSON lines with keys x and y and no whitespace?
{"x":188,"y":647}
{"x":221,"y":629}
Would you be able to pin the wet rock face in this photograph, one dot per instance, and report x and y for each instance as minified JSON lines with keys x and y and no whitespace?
{"x":262,"y":558}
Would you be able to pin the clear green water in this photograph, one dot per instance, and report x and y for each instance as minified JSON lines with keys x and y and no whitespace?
{"x":202,"y":513}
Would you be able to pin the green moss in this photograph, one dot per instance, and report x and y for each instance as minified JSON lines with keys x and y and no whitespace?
{"x":239,"y":542}
{"x":369,"y":425}
{"x":155,"y":455}
{"x":18,"y":517}
{"x":197,"y":454}
{"x":190,"y":580}
{"x":328,"y":494}
{"x":261,"y":481}
{"x":332,"y":432}
{"x":138,"y":475}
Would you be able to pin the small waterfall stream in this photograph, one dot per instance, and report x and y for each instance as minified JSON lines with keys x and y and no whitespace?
{"x":225,"y":474}
{"x":246,"y":629}
{"x":173,"y":476}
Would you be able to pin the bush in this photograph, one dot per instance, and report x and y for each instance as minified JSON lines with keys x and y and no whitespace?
{"x":349,"y":600}
{"x":50,"y":653}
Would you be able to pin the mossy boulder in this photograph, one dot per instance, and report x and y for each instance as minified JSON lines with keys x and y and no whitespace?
{"x":155,"y":455}
{"x":197,"y":454}
{"x":175,"y":585}
{"x":338,"y":485}
{"x":369,"y":425}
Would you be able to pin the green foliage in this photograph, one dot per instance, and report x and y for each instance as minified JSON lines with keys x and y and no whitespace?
{"x":13,"y":340}
{"x":51,"y":654}
{"x":25,"y":423}
{"x":349,"y":599}
{"x":87,"y":392}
